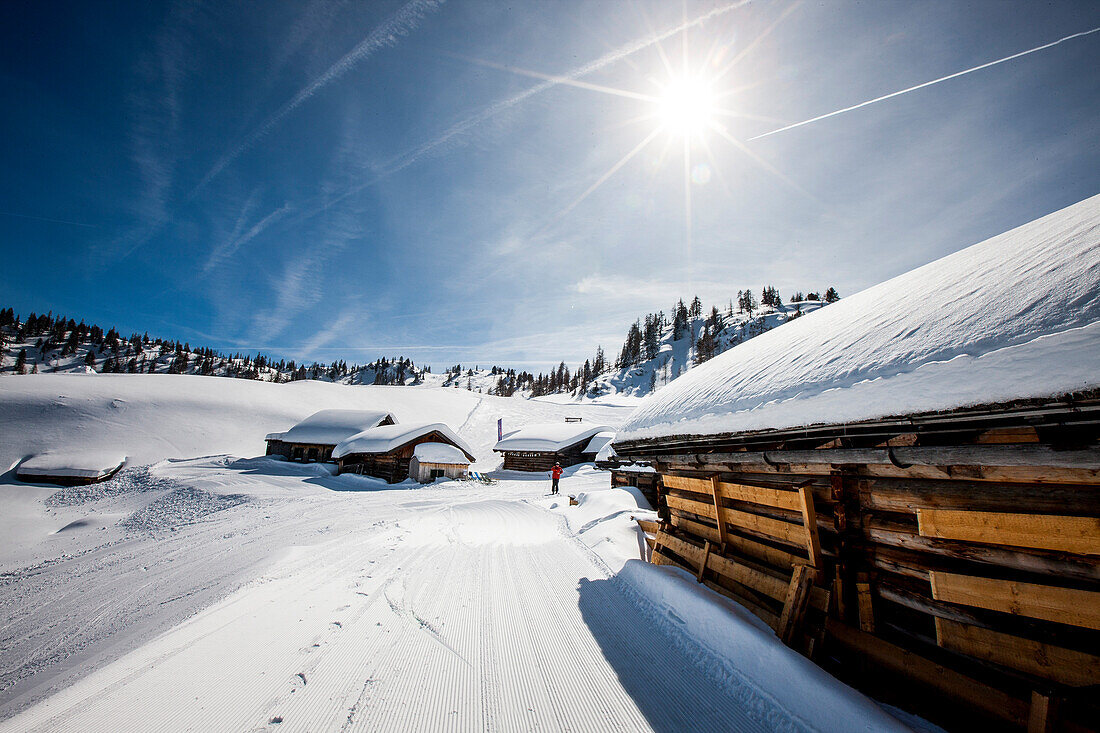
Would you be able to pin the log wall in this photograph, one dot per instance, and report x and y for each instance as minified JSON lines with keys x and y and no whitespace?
{"x":534,"y":461}
{"x":964,"y":577}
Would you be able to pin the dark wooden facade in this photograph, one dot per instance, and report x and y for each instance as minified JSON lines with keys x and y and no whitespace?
{"x":958,"y":570}
{"x":393,"y":466}
{"x":518,"y":460}
{"x":303,"y":452}
{"x":646,"y":482}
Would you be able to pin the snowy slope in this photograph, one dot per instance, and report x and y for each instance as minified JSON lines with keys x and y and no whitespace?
{"x":1016,"y":316}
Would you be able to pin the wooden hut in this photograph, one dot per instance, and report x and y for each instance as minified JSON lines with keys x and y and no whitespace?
{"x":641,"y":476}
{"x":387,"y":452}
{"x":431,"y":461}
{"x":908,"y":489}
{"x":539,"y":447}
{"x":70,"y":468}
{"x":314,"y":438}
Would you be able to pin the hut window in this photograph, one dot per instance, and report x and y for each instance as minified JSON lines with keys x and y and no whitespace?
{"x":435,"y":473}
{"x":312,"y":454}
{"x":297,"y":454}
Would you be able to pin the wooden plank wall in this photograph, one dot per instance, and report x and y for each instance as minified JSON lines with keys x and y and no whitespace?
{"x":987,"y":571}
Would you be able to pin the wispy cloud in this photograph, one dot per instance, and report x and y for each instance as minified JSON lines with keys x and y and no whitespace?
{"x":240,"y":236}
{"x":400,"y":24}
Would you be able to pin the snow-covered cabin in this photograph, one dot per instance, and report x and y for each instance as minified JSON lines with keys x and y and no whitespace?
{"x":388,"y":451}
{"x":538,"y":447}
{"x":314,"y":438}
{"x":930,"y":449}
{"x":437,"y":460}
{"x":596,"y":444}
{"x":70,"y":468}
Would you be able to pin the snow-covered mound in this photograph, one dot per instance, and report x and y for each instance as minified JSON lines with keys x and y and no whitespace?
{"x":548,"y":437}
{"x":329,"y":427}
{"x":71,"y":464}
{"x":1014,"y":317}
{"x":387,"y":437}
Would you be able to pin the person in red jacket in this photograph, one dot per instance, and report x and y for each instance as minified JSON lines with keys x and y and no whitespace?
{"x":555,"y":474}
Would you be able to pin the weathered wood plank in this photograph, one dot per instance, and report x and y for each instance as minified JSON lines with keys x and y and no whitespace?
{"x":794,"y":534}
{"x":719,"y":519}
{"x":1065,"y":666}
{"x":764,"y":553}
{"x":1080,"y":535}
{"x":739,"y":492}
{"x":795,"y":603}
{"x":809,"y":521}
{"x":991,"y":701}
{"x":1043,"y":716}
{"x":647,"y":525}
{"x":864,"y":605}
{"x":1062,"y":605}
{"x":750,"y":577}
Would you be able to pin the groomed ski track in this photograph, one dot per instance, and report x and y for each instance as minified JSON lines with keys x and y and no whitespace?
{"x":480,"y":615}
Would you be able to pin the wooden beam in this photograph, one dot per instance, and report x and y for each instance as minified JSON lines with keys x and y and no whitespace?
{"x":766,"y":554}
{"x":703,"y":562}
{"x":1043,"y":716}
{"x":809,"y":521}
{"x":1080,"y":535}
{"x":793,"y":534}
{"x":794,"y":607}
{"x":648,"y":526}
{"x":718,"y":511}
{"x":1065,"y":666}
{"x":865,"y":607}
{"x":1061,"y":605}
{"x":978,"y":695}
{"x":776,"y":498}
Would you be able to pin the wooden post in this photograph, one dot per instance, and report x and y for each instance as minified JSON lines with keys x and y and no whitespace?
{"x":703,"y":562}
{"x":864,"y":606}
{"x":794,"y":608}
{"x":718,"y":511}
{"x":1043,"y":716}
{"x":809,"y":519}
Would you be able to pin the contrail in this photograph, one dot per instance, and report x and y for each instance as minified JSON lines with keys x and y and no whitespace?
{"x":399,"y":24}
{"x":46,"y":218}
{"x":927,"y":83}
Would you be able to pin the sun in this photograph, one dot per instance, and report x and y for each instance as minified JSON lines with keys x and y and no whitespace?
{"x":686,"y":106}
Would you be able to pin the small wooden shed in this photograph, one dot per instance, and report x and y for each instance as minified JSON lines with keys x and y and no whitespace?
{"x":70,"y":468}
{"x":387,"y":451}
{"x":314,"y":438}
{"x":431,"y":461}
{"x":538,"y":447}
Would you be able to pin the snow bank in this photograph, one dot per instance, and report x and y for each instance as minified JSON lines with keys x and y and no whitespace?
{"x":71,"y":464}
{"x":599,"y":442}
{"x":439,"y":453}
{"x":387,"y":437}
{"x":329,"y":427}
{"x":1014,"y":317}
{"x":606,"y":453}
{"x":548,"y":437}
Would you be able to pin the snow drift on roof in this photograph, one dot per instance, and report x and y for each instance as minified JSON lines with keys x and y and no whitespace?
{"x":606,"y":453}
{"x":387,"y":437}
{"x":439,"y":453}
{"x":548,"y":437}
{"x":1014,"y":317}
{"x":74,"y":464}
{"x":599,"y":440}
{"x":329,"y":427}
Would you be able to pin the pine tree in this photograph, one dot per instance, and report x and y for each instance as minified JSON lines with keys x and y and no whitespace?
{"x":21,"y":362}
{"x":831,"y":295}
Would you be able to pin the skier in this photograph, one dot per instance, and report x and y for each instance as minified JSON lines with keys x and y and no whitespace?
{"x":555,"y":474}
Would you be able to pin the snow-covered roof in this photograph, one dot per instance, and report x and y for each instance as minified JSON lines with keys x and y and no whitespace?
{"x":329,"y":427}
{"x":548,"y":437}
{"x":599,"y":440}
{"x":385,"y":438}
{"x":606,"y":453}
{"x":1014,"y":317}
{"x":74,"y":464}
{"x":439,"y":453}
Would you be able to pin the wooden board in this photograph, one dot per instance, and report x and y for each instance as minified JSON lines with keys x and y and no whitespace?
{"x":1062,"y":605}
{"x":794,"y":534}
{"x":952,"y":684}
{"x":779,"y":559}
{"x":738,"y":492}
{"x":1065,"y":666}
{"x":1080,"y":535}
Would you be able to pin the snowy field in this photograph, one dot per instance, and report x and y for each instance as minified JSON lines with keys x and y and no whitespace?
{"x":205,"y":588}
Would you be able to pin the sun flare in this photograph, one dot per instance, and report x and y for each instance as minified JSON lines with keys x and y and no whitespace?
{"x":686,"y":106}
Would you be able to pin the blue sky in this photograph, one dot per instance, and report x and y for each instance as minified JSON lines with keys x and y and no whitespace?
{"x":338,"y":179}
